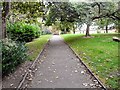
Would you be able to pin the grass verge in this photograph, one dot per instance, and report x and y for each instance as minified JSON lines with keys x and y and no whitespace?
{"x":36,"y":46}
{"x":99,"y":53}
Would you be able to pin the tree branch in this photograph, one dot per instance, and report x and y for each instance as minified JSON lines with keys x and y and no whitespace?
{"x":111,"y":15}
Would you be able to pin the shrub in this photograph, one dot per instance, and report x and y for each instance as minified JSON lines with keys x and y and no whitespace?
{"x":13,"y":54}
{"x":23,"y":32}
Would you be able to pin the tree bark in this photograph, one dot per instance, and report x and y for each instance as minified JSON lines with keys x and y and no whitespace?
{"x":106,"y":28}
{"x":65,"y":31}
{"x":6,"y":7}
{"x":73,"y":31}
{"x":87,"y":30}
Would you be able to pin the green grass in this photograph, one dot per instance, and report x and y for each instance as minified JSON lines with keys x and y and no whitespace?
{"x":99,"y":53}
{"x":36,"y":46}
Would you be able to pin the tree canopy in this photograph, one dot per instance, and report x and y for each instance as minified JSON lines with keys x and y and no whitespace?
{"x":67,"y":13}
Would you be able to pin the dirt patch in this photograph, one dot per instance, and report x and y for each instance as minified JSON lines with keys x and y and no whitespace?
{"x":13,"y":79}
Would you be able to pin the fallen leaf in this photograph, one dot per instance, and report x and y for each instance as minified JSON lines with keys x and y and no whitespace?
{"x":26,"y":85}
{"x":46,"y":79}
{"x":95,"y":80}
{"x":82,"y":72}
{"x":76,"y":71}
{"x":85,"y":84}
{"x":53,"y":63}
{"x":39,"y":62}
{"x":30,"y":79}
{"x":11,"y":84}
{"x":36,"y":69}
{"x":53,"y":71}
{"x":57,"y":77}
{"x":92,"y":84}
{"x":51,"y":81}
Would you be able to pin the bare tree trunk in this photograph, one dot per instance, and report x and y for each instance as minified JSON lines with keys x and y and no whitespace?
{"x":4,"y":28}
{"x":6,"y":7}
{"x":87,"y":30}
{"x":65,"y":30}
{"x":73,"y":31}
{"x":106,"y":28}
{"x":118,"y":27}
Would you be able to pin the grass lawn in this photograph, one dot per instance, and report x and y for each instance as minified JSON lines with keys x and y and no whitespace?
{"x":36,"y":46}
{"x":99,"y":53}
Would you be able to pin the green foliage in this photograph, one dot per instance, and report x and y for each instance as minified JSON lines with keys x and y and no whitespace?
{"x":23,"y":32}
{"x":61,"y":11}
{"x":104,"y":22}
{"x":13,"y":54}
{"x":28,"y":11}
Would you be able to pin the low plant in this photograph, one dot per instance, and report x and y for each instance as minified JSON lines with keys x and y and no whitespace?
{"x":13,"y":54}
{"x":23,"y":32}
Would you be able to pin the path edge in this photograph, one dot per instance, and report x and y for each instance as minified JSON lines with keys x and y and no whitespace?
{"x":33,"y":63}
{"x":103,"y":86}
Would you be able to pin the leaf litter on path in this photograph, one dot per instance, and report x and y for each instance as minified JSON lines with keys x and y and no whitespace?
{"x":11,"y":84}
{"x":57,"y":77}
{"x":85,"y":84}
{"x":76,"y":71}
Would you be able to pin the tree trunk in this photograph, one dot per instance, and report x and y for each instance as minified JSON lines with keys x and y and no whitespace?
{"x":6,"y":7}
{"x":4,"y":28}
{"x":106,"y":28}
{"x":87,"y":30}
{"x":65,"y":31}
{"x":73,"y":31}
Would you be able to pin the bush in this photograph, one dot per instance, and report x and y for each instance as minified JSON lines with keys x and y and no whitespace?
{"x":23,"y":32}
{"x":13,"y":54}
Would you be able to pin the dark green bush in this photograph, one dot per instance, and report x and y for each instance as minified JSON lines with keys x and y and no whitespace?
{"x":23,"y":32}
{"x":13,"y":54}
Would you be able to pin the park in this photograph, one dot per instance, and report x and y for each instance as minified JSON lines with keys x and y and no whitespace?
{"x":60,"y":44}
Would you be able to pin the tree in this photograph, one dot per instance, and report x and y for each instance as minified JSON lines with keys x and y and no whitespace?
{"x":5,"y":12}
{"x":104,"y":22}
{"x":21,"y":11}
{"x":63,"y":12}
{"x":91,"y":11}
{"x":86,"y":13}
{"x":27,"y":11}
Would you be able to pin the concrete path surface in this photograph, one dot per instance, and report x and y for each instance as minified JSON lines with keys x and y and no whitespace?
{"x":60,"y":68}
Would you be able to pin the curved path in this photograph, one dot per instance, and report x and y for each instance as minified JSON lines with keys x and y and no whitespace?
{"x":60,"y":68}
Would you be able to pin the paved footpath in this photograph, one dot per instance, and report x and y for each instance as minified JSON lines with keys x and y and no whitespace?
{"x":60,"y":68}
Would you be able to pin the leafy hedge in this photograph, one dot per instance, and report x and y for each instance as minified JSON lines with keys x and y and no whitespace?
{"x":13,"y":54}
{"x":23,"y":32}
